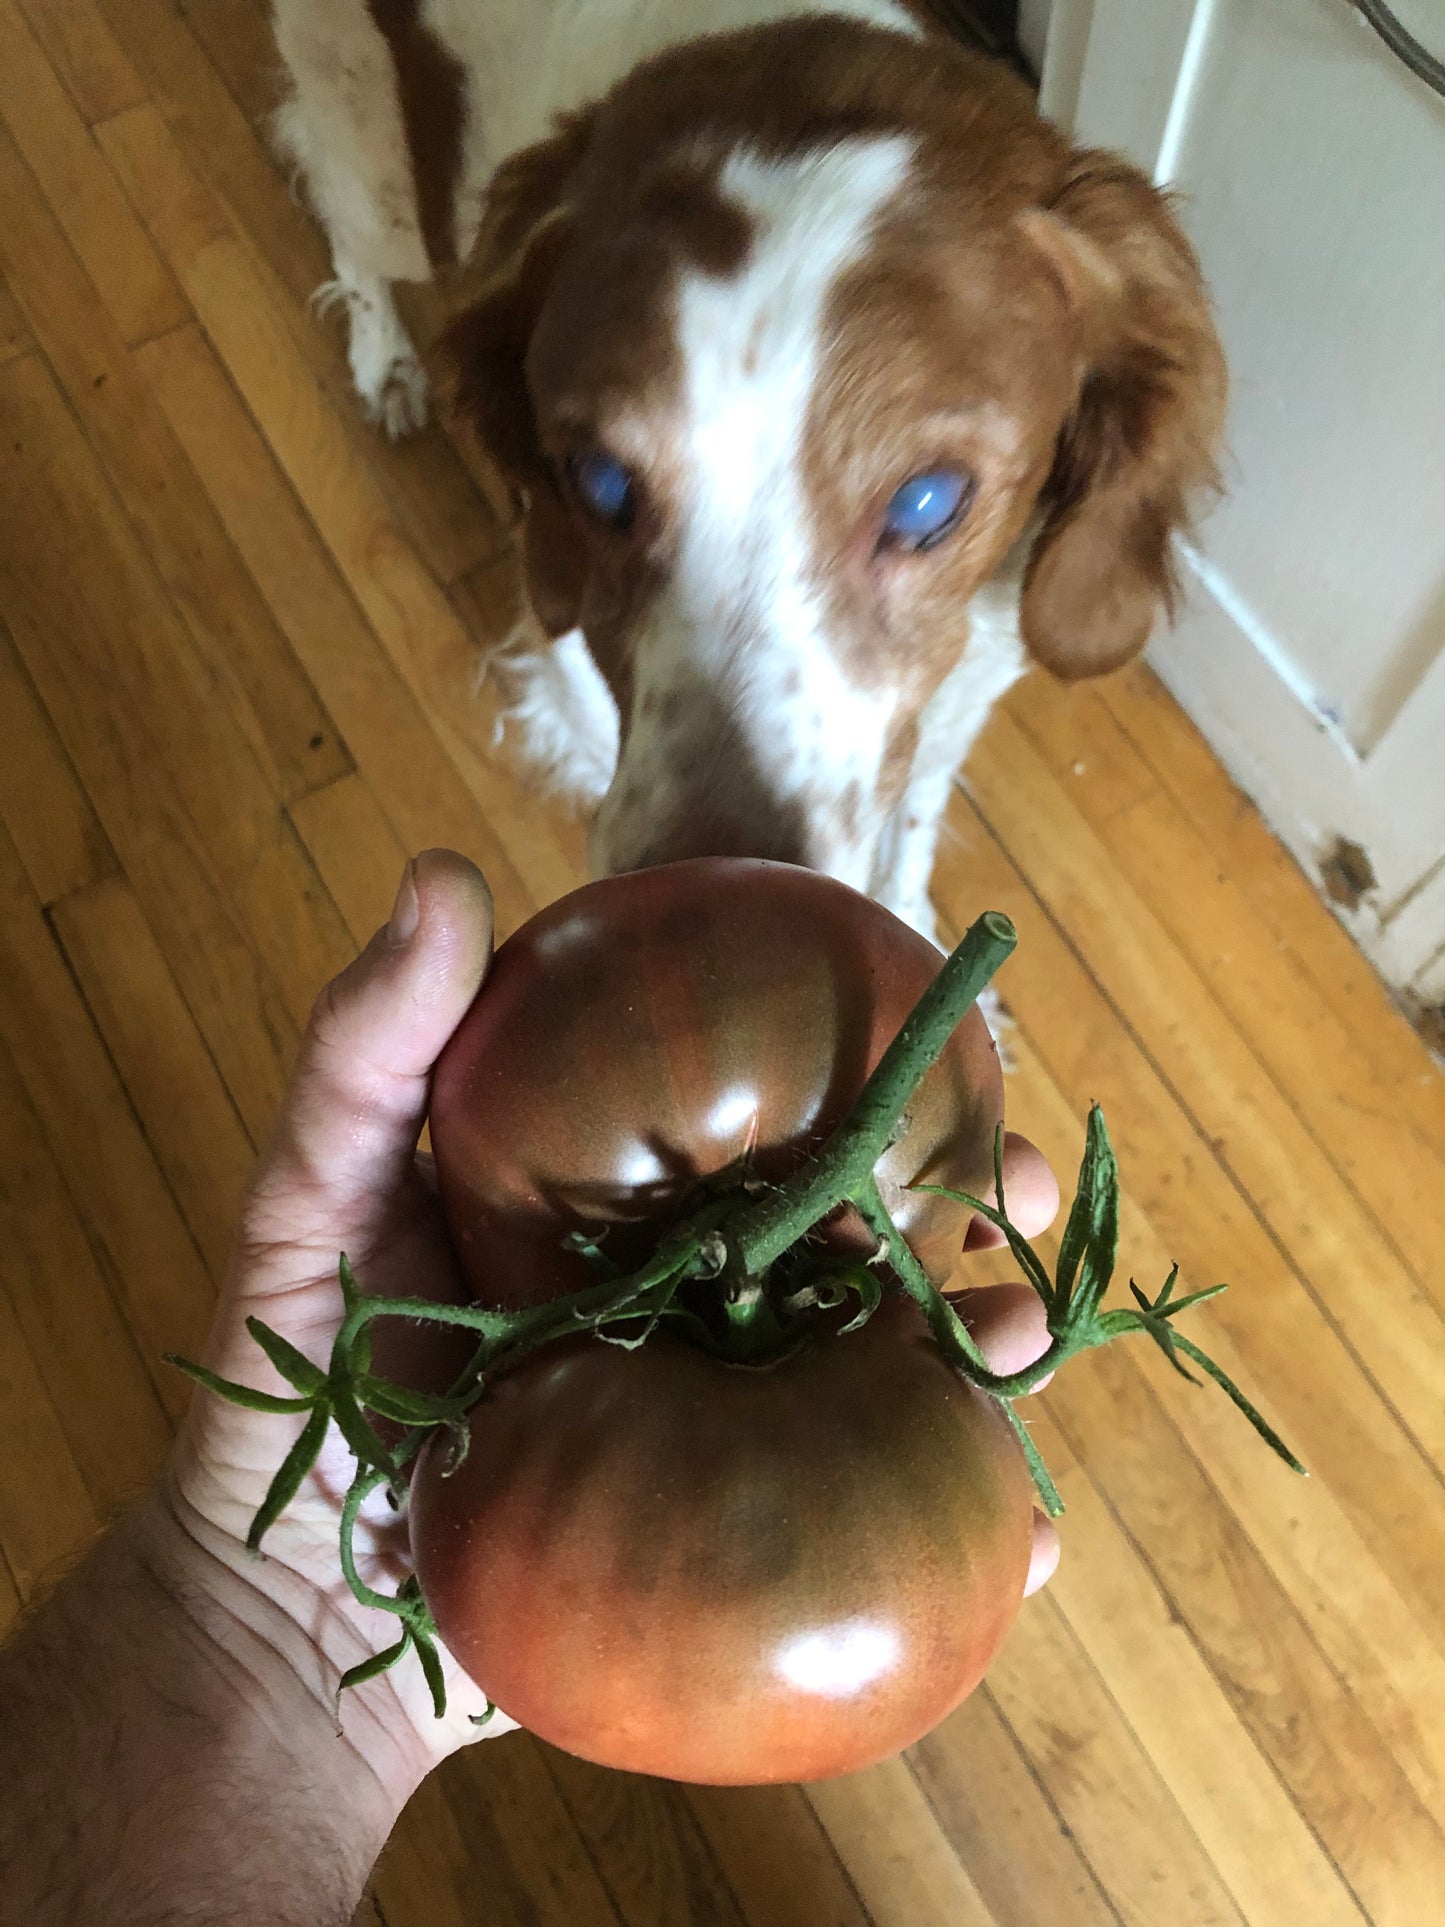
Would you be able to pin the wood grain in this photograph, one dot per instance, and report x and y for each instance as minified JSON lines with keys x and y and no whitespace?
{"x":135,"y":289}
{"x":42,"y":804}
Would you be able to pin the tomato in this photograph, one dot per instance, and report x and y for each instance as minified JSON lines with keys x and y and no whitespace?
{"x":651,"y":1030}
{"x":715,"y":1564}
{"x":726,"y":1573}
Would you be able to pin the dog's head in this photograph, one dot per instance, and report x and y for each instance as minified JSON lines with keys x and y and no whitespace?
{"x":787,"y":347}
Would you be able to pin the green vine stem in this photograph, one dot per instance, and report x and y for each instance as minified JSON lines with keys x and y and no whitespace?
{"x":727,"y":1251}
{"x":758,"y":1237}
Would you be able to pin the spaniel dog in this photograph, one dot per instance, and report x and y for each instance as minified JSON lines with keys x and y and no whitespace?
{"x":834,"y":384}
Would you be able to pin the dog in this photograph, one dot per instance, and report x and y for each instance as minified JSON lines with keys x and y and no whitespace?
{"x":834,"y":385}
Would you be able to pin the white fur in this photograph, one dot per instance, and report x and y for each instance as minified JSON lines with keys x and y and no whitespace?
{"x":739,"y":624}
{"x":361,"y":190}
{"x":563,"y":714}
{"x":990,"y":665}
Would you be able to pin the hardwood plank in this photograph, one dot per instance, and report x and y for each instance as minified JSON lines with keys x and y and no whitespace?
{"x":1278,"y":891}
{"x":170,"y":1077}
{"x":776,"y":1857}
{"x":1337,"y":1086}
{"x":134,"y":285}
{"x":384,"y":724}
{"x":42,"y":804}
{"x":508,"y":1781}
{"x":406,"y":609}
{"x":1283,"y":1690}
{"x":1351,"y":1272}
{"x":1137,"y":1839}
{"x":179,"y":211}
{"x":15,"y":336}
{"x":431,"y":1874}
{"x":1149,"y":1661}
{"x":46,"y":1514}
{"x":1365,"y":1579}
{"x":225,"y":884}
{"x":241,"y":46}
{"x":427,"y":487}
{"x":357,"y":853}
{"x":646,"y":1845}
{"x":85,"y":55}
{"x":894,"y":1851}
{"x":134,"y":1226}
{"x":86,"y":1357}
{"x":1021,"y":1855}
{"x":240,"y":658}
{"x":454,"y":1860}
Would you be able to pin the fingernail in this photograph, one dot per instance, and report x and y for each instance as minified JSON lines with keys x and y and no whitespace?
{"x":406,"y":911}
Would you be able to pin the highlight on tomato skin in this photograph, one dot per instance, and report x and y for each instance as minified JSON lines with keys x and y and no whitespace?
{"x":712,"y":1573}
{"x":649,"y":1031}
{"x":661,"y":1559}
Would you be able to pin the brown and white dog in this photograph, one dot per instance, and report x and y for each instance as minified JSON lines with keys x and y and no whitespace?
{"x":836,"y":385}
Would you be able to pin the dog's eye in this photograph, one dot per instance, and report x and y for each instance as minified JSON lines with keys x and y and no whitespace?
{"x":925,"y":509}
{"x":605,"y":486}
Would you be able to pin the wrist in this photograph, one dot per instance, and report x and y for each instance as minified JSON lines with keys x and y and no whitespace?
{"x":286,"y":1643}
{"x":168,"y":1750}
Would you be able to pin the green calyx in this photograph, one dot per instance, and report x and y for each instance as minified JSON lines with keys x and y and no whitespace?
{"x":739,"y":1278}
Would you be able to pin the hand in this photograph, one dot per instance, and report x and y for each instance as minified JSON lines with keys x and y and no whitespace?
{"x":342,"y":1173}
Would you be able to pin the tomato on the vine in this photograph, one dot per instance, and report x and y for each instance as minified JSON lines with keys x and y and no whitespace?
{"x":648,"y":1032}
{"x":672,"y":1505}
{"x":663,"y":1558}
{"x":723,"y":1573}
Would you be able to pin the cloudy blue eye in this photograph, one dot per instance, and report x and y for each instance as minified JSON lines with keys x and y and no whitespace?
{"x":926,"y":507}
{"x":605,"y":486}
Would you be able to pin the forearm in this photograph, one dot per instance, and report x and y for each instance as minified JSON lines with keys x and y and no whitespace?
{"x":168,"y":1757}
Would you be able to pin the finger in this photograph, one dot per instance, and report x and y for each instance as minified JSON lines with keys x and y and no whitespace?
{"x":1044,"y":1558}
{"x":1006,"y":1322}
{"x":350,"y":1119}
{"x":1031,"y":1193}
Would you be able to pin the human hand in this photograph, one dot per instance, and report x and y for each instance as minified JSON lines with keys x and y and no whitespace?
{"x":341,"y":1172}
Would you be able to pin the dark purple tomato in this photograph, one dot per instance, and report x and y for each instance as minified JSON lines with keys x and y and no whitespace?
{"x":728,"y":1574}
{"x":658,"y":1559}
{"x":652,"y":1030}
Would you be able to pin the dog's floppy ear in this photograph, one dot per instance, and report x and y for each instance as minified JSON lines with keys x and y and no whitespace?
{"x":482,"y":354}
{"x":1142,"y":438}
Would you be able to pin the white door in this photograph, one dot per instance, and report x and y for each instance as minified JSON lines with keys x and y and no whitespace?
{"x":1313,"y":650}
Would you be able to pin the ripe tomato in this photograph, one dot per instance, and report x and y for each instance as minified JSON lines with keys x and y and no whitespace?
{"x":728,"y":1574}
{"x":656,"y":1558}
{"x":649,"y":1031}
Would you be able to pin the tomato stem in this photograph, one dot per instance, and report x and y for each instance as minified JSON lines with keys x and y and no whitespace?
{"x":753,"y":1329}
{"x":760,"y":1234}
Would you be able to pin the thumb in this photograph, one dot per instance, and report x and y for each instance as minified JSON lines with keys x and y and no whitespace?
{"x":350,"y":1120}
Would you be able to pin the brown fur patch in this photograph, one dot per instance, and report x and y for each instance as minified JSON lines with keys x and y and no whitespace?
{"x":431,"y":86}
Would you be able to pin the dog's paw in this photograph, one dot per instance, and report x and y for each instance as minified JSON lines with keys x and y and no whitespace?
{"x":398,"y":401}
{"x":386,"y":370}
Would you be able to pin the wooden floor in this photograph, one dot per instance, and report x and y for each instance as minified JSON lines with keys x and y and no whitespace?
{"x":236,"y":644}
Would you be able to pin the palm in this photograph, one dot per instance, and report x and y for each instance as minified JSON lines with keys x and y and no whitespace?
{"x":398,"y":1247}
